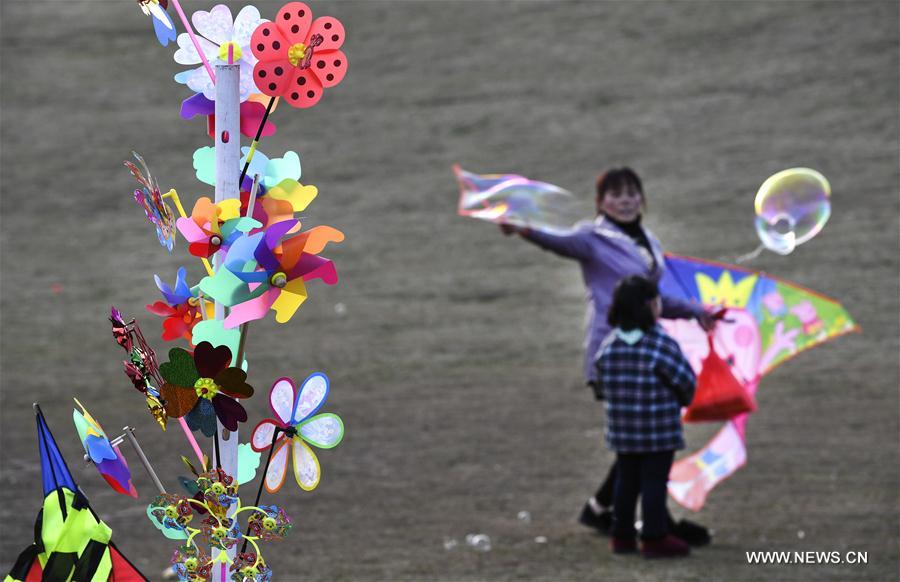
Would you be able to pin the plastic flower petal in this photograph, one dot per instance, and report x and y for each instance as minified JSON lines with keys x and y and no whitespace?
{"x":214,"y":29}
{"x":298,"y":56}
{"x":252,"y":113}
{"x":295,"y":426}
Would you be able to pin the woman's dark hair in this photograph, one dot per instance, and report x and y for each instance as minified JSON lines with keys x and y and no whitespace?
{"x":617,"y":179}
{"x":630,"y":307}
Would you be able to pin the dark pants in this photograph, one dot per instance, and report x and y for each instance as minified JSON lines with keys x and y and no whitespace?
{"x":645,"y":475}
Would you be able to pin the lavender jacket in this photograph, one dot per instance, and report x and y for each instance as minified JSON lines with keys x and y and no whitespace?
{"x":606,"y":254}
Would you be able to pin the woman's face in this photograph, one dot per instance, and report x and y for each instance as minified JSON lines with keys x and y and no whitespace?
{"x":623,"y":204}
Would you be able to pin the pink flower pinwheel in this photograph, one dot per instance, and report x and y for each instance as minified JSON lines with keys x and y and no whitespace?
{"x":296,"y":424}
{"x":298,"y":56}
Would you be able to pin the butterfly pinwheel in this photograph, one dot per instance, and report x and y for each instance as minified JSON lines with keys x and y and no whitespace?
{"x":158,"y":212}
{"x":296,"y":426}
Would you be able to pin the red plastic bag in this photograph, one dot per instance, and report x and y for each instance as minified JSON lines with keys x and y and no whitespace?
{"x":719,"y":395}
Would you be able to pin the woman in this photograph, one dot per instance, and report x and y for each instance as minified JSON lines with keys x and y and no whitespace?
{"x":612,"y":247}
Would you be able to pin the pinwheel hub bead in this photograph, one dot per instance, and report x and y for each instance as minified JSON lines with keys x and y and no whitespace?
{"x":297,"y":53}
{"x":207,"y":388}
{"x":193,"y":301}
{"x":215,"y":240}
{"x":235,"y":51}
{"x":250,"y":572}
{"x":279,"y":280}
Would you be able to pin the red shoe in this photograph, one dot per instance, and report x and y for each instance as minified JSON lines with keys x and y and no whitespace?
{"x":667,"y":547}
{"x":623,"y":545}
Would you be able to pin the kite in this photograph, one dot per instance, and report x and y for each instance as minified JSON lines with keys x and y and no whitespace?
{"x":70,"y":540}
{"x":768,"y":321}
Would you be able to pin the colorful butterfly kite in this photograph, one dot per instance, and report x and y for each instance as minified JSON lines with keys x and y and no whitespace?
{"x":296,"y":426}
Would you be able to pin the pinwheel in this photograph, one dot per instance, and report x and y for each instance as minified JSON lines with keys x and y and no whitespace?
{"x":181,"y":310}
{"x":162,"y":24}
{"x":191,"y":564}
{"x":150,"y":199}
{"x":107,"y":458}
{"x":264,"y":272}
{"x":298,"y":57}
{"x":202,"y":387}
{"x":216,"y":33}
{"x":171,"y":514}
{"x":213,"y":226}
{"x":249,"y":567}
{"x":296,"y":426}
{"x":141,"y":367}
{"x":269,"y":523}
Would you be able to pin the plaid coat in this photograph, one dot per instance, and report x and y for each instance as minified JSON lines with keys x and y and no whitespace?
{"x":646,"y":380}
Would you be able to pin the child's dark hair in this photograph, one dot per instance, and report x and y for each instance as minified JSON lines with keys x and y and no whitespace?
{"x":618,"y":178}
{"x":630,"y":307}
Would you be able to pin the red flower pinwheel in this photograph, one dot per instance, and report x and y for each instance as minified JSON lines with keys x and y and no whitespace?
{"x":181,"y":310}
{"x":202,"y":386}
{"x":298,"y":57}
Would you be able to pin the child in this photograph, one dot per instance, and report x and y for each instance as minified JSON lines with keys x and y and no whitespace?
{"x":646,"y":380}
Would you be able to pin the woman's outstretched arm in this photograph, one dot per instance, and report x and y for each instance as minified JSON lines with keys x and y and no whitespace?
{"x":573,"y":245}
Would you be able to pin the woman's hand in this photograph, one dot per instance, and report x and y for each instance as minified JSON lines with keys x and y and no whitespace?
{"x":707,"y":320}
{"x":510,"y":229}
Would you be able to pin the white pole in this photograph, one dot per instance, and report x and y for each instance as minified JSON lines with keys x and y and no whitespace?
{"x":228,"y":156}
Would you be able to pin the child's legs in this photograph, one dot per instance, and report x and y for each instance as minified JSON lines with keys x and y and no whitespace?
{"x":628,"y":487}
{"x":654,"y":477}
{"x":604,"y":494}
